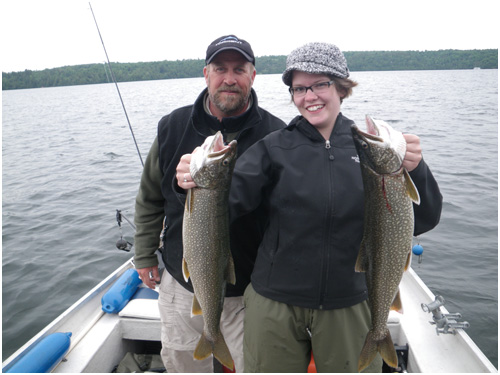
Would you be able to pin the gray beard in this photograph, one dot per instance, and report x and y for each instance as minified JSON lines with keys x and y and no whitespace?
{"x":231,"y":105}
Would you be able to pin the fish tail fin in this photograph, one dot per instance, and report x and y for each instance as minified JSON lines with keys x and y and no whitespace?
{"x":203,"y":349}
{"x":387,"y":351}
{"x":221,"y":352}
{"x":368,"y":352}
{"x":385,"y":347}
{"x":219,"y":349}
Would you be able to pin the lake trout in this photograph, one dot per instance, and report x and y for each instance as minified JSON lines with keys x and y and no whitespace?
{"x":207,"y":258}
{"x":385,"y":251}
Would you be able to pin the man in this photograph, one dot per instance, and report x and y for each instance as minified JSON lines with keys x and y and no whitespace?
{"x":228,"y":104}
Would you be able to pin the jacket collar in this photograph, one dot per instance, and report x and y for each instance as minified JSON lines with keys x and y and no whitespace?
{"x":342,"y":124}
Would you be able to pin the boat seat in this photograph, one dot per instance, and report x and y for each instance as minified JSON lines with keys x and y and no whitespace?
{"x":143,"y":305}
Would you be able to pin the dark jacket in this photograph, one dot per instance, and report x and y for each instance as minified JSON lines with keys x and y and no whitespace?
{"x":314,"y":197}
{"x":180,"y":133}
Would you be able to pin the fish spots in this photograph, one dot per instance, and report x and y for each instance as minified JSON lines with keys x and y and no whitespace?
{"x":206,"y":242}
{"x":388,"y":231}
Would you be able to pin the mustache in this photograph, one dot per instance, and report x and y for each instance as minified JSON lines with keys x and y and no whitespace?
{"x":230,"y":89}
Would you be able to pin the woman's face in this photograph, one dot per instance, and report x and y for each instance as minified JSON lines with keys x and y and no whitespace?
{"x":319,"y":108}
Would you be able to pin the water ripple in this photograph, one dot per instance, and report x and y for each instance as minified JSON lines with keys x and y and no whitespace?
{"x":59,"y":199}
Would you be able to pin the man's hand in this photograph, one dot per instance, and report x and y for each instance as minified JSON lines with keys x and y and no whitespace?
{"x":149,"y":276}
{"x":183,"y":175}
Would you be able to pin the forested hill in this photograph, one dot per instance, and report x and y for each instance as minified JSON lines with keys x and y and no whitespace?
{"x":143,"y":71}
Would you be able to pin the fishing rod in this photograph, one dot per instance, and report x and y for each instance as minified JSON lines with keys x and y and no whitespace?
{"x":116,"y":85}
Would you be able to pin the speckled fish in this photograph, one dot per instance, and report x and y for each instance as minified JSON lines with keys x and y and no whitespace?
{"x":207,"y":258}
{"x":385,"y":251}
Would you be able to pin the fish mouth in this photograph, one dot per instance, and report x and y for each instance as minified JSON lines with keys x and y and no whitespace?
{"x":380,"y":136}
{"x":372,"y":131}
{"x":217,"y":149}
{"x":212,"y":157}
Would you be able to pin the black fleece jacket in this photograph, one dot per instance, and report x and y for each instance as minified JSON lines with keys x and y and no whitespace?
{"x":312,"y":193}
{"x":180,"y":133}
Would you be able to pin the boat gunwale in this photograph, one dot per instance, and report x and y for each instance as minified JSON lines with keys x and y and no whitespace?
{"x":69,"y":314}
{"x":412,"y":287}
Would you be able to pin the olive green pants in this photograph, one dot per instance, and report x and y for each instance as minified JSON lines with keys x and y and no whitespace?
{"x":279,"y":337}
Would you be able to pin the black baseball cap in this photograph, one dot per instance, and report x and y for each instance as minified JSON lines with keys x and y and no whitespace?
{"x":229,"y":42}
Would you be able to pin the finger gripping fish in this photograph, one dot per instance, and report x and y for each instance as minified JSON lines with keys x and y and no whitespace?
{"x":207,"y":259}
{"x":385,"y":251}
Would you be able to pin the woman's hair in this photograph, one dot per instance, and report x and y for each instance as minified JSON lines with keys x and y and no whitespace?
{"x":344,"y":86}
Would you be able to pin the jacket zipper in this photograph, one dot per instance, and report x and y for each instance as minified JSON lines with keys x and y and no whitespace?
{"x":326,"y":255}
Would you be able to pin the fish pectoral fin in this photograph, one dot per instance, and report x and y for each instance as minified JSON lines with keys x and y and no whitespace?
{"x":189,"y":202}
{"x":196,"y":308}
{"x":397,"y":305}
{"x":411,"y":189}
{"x":408,"y":262}
{"x":231,"y":274}
{"x":185,"y":271}
{"x":361,"y":260}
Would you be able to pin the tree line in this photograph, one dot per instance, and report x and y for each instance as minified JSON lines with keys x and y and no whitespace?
{"x":144,"y":71}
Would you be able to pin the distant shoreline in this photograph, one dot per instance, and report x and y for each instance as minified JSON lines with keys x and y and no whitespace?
{"x":157,"y":70}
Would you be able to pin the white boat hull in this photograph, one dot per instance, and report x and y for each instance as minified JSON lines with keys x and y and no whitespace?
{"x":99,"y":340}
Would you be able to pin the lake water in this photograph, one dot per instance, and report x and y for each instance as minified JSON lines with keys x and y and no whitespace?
{"x":69,"y":162}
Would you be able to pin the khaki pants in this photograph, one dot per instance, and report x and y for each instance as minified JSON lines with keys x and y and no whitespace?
{"x":180,"y":332}
{"x":280,"y":337}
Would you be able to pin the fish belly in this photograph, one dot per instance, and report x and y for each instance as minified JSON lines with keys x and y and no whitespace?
{"x":207,"y":260}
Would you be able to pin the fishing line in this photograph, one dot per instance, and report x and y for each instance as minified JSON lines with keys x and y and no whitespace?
{"x":116,"y":84}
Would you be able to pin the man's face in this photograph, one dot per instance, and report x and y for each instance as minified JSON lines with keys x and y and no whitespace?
{"x":229,"y":78}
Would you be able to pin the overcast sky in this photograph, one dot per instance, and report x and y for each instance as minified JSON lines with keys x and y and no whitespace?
{"x":39,"y":34}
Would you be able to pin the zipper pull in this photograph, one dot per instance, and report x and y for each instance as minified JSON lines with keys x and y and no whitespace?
{"x":308,"y":330}
{"x":327,"y":144}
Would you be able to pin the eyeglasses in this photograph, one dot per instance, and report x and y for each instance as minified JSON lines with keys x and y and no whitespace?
{"x":317,"y":88}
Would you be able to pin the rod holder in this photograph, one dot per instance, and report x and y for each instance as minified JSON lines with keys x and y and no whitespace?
{"x":445,"y":323}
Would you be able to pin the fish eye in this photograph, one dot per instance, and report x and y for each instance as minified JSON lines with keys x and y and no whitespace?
{"x":364,"y":145}
{"x":225,"y":162}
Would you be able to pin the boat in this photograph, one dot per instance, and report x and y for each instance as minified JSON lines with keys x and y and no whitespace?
{"x":427,"y":337}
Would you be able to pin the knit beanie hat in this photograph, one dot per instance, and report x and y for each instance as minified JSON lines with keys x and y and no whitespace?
{"x":316,"y":58}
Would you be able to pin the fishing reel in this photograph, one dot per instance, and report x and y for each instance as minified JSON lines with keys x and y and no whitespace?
{"x":123,"y":244}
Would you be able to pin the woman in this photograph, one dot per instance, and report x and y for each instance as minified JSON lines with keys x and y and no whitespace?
{"x":305,"y":183}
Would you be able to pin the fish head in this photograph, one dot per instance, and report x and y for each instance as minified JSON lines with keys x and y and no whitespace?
{"x":212,"y":165}
{"x":380,"y":148}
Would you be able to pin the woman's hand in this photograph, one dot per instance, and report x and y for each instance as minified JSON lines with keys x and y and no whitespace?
{"x":413,"y":154}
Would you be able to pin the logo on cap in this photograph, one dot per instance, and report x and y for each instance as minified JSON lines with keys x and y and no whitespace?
{"x":229,"y":39}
